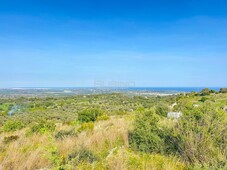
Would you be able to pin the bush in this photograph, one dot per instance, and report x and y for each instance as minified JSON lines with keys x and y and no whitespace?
{"x":103,"y":117}
{"x":205,"y":92}
{"x":65,"y":133}
{"x":203,"y":99}
{"x":223,"y":90}
{"x":42,"y":127}
{"x":146,"y":136}
{"x":89,"y":115}
{"x":9,"y":139}
{"x":86,"y":126}
{"x":121,"y":112}
{"x":82,"y":155}
{"x":200,"y":137}
{"x":12,"y":126}
{"x":162,"y":109}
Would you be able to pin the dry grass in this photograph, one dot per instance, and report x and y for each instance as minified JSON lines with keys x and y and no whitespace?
{"x":31,"y":152}
{"x":109,"y":140}
{"x":106,"y":136}
{"x":26,"y":152}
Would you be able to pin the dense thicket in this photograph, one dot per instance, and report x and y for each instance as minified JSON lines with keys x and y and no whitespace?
{"x":199,"y":137}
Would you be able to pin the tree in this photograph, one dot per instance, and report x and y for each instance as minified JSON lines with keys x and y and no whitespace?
{"x":223,"y":90}
{"x":205,"y":92}
{"x":89,"y":115}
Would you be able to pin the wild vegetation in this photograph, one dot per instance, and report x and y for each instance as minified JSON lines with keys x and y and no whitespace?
{"x":114,"y":131}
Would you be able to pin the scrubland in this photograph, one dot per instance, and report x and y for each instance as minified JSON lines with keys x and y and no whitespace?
{"x":115,"y":131}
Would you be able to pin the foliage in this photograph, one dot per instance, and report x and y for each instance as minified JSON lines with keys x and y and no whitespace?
{"x":42,"y":127}
{"x":134,"y":132}
{"x":126,"y":159}
{"x":146,"y":136}
{"x":86,"y":126}
{"x":203,"y":99}
{"x":65,"y":133}
{"x":120,"y":112}
{"x":200,"y":137}
{"x":82,"y":155}
{"x":103,"y":117}
{"x":12,"y":126}
{"x":206,"y":91}
{"x":57,"y":161}
{"x":89,"y":115}
{"x":5,"y":107}
{"x":162,"y":109}
{"x":223,"y":90}
{"x":9,"y":139}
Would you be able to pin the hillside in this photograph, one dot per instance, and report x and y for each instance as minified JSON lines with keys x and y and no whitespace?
{"x":114,"y":131}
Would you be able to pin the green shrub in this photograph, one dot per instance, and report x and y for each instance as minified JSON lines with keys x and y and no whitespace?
{"x":162,"y":109}
{"x":223,"y":90}
{"x":89,"y":115}
{"x":55,"y":158}
{"x":82,"y":155}
{"x":42,"y":127}
{"x":200,"y":137}
{"x":121,"y":112}
{"x":86,"y":126}
{"x":103,"y":117}
{"x":12,"y":126}
{"x":65,"y":133}
{"x":146,"y":136}
{"x":203,"y":99}
{"x":205,"y":92}
{"x":9,"y":139}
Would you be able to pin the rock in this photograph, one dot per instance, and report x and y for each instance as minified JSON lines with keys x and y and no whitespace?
{"x":175,"y":115}
{"x":225,"y":108}
{"x":196,"y":105}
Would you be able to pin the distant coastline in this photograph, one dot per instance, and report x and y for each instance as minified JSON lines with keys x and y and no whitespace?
{"x":70,"y":91}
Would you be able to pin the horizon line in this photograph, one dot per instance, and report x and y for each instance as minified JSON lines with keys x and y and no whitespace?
{"x":112,"y":87}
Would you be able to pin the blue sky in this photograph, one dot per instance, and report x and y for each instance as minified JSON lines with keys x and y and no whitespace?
{"x":49,"y":43}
